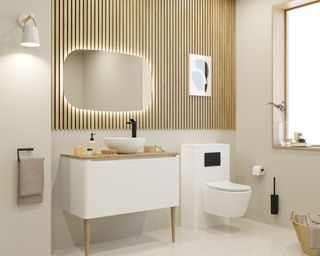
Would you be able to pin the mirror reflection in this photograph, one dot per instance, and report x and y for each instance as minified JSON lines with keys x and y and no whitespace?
{"x":106,"y":81}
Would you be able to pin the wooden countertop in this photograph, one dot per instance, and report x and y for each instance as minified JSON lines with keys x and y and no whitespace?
{"x":121,"y":156}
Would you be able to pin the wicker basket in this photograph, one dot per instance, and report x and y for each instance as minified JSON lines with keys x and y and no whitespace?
{"x":303,"y":234}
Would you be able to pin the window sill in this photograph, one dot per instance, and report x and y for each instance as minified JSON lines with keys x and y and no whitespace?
{"x":305,"y":148}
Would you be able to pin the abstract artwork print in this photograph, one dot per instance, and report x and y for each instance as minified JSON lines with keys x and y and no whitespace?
{"x":200,"y":75}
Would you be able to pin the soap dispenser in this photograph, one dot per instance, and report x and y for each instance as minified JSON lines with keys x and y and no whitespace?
{"x":92,"y":145}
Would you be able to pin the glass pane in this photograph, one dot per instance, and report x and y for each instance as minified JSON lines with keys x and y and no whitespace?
{"x":303,"y":72}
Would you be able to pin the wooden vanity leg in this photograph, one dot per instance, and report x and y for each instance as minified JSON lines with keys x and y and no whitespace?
{"x":173,"y":223}
{"x":86,"y":237}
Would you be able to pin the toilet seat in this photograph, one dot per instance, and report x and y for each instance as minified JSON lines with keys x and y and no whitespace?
{"x":226,"y":199}
{"x":228,"y":186}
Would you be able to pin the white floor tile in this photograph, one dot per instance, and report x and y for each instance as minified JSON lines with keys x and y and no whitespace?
{"x":242,"y":238}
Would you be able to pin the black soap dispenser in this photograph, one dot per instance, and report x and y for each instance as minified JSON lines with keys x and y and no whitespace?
{"x":274,"y":199}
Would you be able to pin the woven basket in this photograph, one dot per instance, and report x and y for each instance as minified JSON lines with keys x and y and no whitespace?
{"x":303,"y":234}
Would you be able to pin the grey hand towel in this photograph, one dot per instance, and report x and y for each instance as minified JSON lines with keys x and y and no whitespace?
{"x":30,"y":182}
{"x":315,"y":237}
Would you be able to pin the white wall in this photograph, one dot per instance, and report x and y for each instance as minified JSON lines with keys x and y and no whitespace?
{"x":67,"y":230}
{"x":297,"y":172}
{"x":25,"y":122}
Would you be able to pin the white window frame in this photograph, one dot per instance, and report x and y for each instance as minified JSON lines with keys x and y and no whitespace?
{"x":279,"y":67}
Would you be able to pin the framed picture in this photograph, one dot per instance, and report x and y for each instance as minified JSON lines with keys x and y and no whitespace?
{"x":200,"y":75}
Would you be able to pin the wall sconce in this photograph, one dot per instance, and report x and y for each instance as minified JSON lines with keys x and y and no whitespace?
{"x":30,"y":32}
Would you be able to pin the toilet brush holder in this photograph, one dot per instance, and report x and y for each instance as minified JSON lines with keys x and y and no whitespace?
{"x":274,"y":199}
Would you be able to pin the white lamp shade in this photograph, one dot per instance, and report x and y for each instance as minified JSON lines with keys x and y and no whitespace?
{"x":30,"y":35}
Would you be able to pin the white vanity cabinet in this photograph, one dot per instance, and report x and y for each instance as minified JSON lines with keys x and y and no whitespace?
{"x":100,"y":186}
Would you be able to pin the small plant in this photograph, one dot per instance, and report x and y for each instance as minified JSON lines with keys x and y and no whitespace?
{"x":282,"y":107}
{"x":282,"y":133}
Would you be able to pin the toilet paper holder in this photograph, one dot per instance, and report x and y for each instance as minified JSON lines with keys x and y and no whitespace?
{"x":257,"y":170}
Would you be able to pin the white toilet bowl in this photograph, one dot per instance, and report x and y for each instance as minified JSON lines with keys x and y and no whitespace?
{"x":226,"y":199}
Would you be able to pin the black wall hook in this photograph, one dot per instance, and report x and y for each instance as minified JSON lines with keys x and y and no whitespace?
{"x":22,"y":149}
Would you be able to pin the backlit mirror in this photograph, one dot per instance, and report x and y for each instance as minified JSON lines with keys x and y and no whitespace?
{"x":106,"y":81}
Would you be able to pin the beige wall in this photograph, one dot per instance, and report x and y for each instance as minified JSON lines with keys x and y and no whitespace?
{"x":297,"y":172}
{"x":73,"y":79}
{"x":25,"y":122}
{"x":67,"y":230}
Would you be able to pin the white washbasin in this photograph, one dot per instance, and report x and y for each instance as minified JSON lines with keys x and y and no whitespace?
{"x":125,"y":145}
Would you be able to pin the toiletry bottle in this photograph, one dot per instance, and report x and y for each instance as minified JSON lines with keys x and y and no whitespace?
{"x":92,"y":146}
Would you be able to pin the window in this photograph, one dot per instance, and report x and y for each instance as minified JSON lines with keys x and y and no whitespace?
{"x":296,"y":72}
{"x":302,"y":72}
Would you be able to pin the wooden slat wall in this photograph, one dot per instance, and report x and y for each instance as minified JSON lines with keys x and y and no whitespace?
{"x":163,"y":33}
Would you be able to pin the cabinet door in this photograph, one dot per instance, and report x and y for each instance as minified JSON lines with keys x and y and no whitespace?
{"x":124,"y":186}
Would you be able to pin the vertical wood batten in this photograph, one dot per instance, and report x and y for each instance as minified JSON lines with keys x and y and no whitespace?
{"x":163,"y":33}
{"x":53,"y":64}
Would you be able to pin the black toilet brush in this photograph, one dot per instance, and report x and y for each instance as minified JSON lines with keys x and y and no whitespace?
{"x":274,"y":199}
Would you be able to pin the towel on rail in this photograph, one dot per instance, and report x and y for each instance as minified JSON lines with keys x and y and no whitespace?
{"x":30,"y":180}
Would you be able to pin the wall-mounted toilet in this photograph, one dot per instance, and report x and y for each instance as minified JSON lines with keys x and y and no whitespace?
{"x":226,"y":199}
{"x":206,"y":190}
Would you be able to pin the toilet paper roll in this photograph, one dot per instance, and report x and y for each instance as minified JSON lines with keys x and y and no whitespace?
{"x":257,"y":170}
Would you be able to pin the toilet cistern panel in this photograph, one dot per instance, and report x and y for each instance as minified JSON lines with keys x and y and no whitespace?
{"x":207,"y":162}
{"x":200,"y":163}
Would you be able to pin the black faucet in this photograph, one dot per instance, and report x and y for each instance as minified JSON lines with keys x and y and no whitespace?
{"x":133,"y":127}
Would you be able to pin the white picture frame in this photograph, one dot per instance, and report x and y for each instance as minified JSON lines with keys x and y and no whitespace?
{"x":200,"y":77}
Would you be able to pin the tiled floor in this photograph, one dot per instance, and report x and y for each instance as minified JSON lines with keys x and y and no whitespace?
{"x":243,"y":237}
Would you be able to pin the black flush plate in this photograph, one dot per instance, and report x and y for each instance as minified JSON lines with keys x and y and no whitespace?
{"x":212,"y":159}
